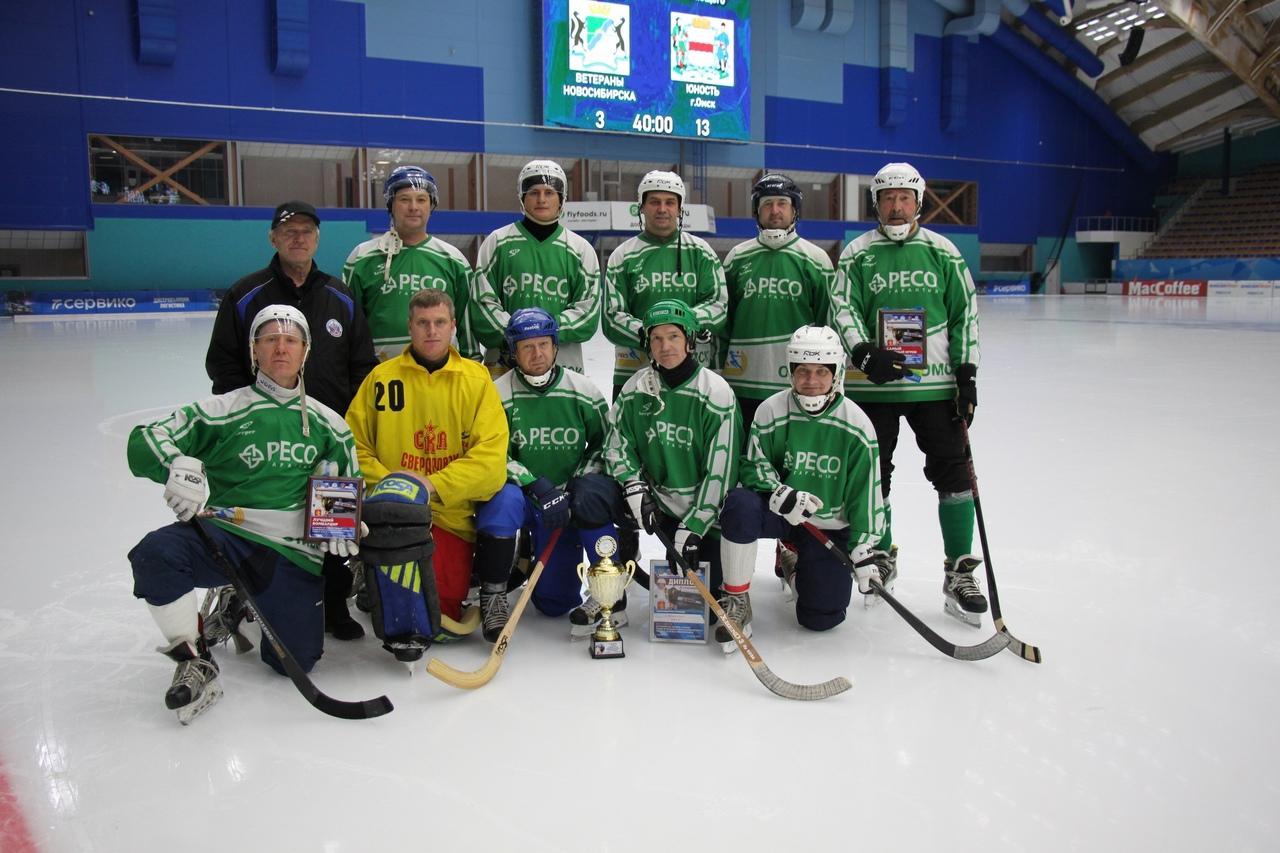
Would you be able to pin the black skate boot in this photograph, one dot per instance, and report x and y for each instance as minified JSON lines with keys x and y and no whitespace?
{"x":738,"y":608}
{"x":494,"y":610}
{"x":961,"y":596}
{"x":195,"y":682}
{"x":584,"y":618}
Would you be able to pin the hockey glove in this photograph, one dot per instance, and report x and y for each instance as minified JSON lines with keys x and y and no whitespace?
{"x":794,"y":507}
{"x":688,"y":546}
{"x":186,"y":493}
{"x":325,"y":468}
{"x":641,"y":505}
{"x":345,"y":547}
{"x":703,"y":336}
{"x":966,"y":392}
{"x":878,"y":364}
{"x":865,"y":567}
{"x":552,"y":501}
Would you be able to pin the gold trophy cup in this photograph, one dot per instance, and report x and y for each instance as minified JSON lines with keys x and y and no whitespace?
{"x":606,"y":582}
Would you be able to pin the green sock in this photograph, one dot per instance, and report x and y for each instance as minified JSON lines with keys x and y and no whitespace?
{"x":955,"y":516}
{"x":887,"y":539}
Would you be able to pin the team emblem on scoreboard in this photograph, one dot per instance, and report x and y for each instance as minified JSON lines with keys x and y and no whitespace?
{"x":701,"y":49}
{"x":599,"y":37}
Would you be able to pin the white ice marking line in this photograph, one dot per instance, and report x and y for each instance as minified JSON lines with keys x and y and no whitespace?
{"x":137,"y":416}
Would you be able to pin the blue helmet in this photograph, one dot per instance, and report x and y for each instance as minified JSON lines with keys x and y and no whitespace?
{"x":410,"y":176}
{"x":531,"y":323}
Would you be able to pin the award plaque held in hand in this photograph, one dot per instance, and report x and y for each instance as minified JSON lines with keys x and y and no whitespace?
{"x":904,"y":332}
{"x":606,"y":582}
{"x":333,"y":508}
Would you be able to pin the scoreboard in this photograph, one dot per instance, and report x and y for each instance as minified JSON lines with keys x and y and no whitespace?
{"x":676,"y":68}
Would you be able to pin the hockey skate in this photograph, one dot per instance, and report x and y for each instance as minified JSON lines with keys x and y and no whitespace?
{"x":886,"y":563}
{"x":495,"y":610}
{"x":584,"y":618}
{"x":961,"y":596}
{"x":360,"y":588}
{"x":195,"y":684}
{"x":738,"y":608}
{"x":221,"y":616}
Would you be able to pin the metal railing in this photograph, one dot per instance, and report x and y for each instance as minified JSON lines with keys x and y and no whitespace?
{"x":1115,"y":223}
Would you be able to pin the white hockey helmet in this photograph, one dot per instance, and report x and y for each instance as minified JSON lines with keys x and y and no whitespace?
{"x":659,"y":181}
{"x":898,"y":176}
{"x":291,"y":321}
{"x":536,"y":173}
{"x":817,"y":345}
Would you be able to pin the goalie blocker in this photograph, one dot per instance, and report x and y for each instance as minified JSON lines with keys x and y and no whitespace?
{"x":397,"y":564}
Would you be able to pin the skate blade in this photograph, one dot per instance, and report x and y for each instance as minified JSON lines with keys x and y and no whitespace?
{"x":955,"y":610}
{"x":729,"y":646}
{"x":212,"y":693}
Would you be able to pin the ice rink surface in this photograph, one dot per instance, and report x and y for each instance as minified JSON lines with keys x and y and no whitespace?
{"x":1127,"y":456}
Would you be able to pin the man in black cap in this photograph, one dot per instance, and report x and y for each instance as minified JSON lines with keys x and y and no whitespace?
{"x":341,"y":348}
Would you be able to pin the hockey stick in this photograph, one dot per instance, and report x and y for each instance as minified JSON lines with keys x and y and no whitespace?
{"x":783,"y":688}
{"x":992,"y":646}
{"x":485,"y":674}
{"x":1026,"y":651}
{"x":333,"y":707}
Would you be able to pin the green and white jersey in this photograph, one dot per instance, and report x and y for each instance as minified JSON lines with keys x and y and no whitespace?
{"x":385,"y":293}
{"x":925,"y":271}
{"x":561,"y":274}
{"x":255,"y":458}
{"x":772,"y":292}
{"x":682,"y":441}
{"x":557,"y":431}
{"x":833,"y":454}
{"x":645,"y":270}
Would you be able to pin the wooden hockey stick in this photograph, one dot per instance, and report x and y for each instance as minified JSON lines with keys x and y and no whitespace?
{"x":992,"y":646}
{"x":1026,"y":651}
{"x":783,"y":688}
{"x":483,"y":675}
{"x":333,"y":707}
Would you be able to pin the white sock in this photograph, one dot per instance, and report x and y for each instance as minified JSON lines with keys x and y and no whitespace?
{"x":179,"y":621}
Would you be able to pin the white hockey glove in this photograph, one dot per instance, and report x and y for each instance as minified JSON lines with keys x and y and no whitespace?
{"x":344,"y":547}
{"x":187,"y":492}
{"x":325,"y":468}
{"x":864,"y":568}
{"x":794,"y":507}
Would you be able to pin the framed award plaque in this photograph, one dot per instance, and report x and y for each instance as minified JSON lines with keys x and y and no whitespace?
{"x":333,"y":508}
{"x":904,"y":332}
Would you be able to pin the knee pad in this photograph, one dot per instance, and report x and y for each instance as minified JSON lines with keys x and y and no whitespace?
{"x":503,"y":514}
{"x":741,"y":516}
{"x":596,"y":500}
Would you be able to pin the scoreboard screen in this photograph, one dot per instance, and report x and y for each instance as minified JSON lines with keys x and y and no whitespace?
{"x":652,"y":67}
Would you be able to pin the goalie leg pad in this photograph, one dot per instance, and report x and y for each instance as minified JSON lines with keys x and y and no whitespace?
{"x":399,"y":572}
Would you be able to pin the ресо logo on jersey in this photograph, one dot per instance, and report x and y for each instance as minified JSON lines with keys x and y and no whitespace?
{"x":808,"y":462}
{"x":280,"y":453}
{"x":537,"y":285}
{"x":673,"y":435}
{"x":559,"y":438}
{"x":406,"y":283}
{"x":904,"y":280}
{"x":786,"y":288}
{"x":666,"y":280}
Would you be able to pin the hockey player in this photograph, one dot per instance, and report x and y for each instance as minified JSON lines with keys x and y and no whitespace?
{"x":251,"y":450}
{"x":537,"y":263}
{"x":661,"y":262}
{"x":435,"y":416}
{"x":673,"y":442}
{"x":811,"y":456}
{"x":557,"y":420}
{"x":341,"y":355}
{"x":387,"y":271}
{"x":898,"y":266}
{"x":777,"y":282}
